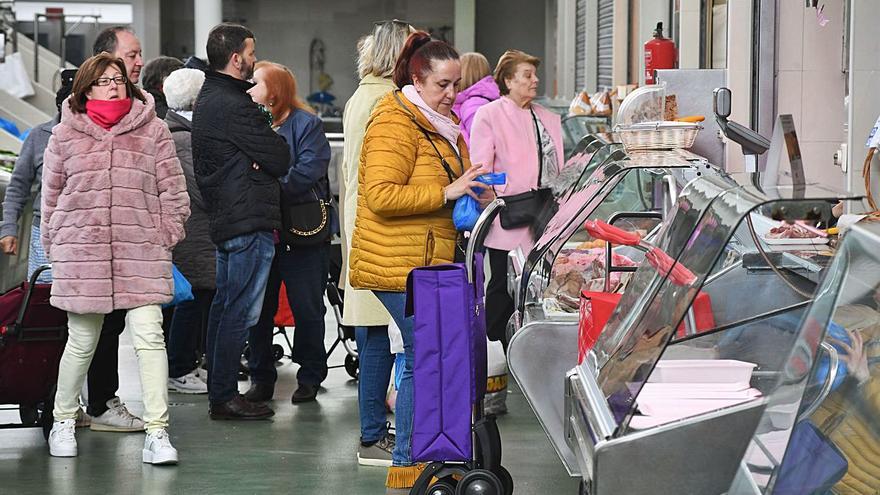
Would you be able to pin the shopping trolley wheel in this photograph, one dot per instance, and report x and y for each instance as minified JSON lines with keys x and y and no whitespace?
{"x":480,"y":482}
{"x":351,"y":366}
{"x":28,"y":414}
{"x":445,"y":486}
{"x":506,"y":479}
{"x":277,"y":352}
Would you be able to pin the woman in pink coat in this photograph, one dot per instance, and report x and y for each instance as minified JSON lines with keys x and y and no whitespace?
{"x":505,"y":138}
{"x":114,"y":205}
{"x":478,"y":87}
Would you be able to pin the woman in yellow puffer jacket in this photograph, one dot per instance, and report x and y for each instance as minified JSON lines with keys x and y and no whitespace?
{"x":414,"y":164}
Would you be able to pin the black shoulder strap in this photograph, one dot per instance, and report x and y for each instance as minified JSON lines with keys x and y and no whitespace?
{"x":449,"y":172}
{"x":540,"y":147}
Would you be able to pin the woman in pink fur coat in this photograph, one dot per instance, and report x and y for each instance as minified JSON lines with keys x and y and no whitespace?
{"x":114,"y":204}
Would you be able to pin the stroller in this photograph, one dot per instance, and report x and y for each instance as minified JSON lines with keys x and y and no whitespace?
{"x":461,"y":444}
{"x":32,"y":338}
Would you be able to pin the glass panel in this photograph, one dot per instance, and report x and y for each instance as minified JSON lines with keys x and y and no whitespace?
{"x":746,"y":309}
{"x":820,"y":432}
{"x":566,"y":260}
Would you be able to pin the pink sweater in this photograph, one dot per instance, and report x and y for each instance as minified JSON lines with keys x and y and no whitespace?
{"x":503,"y":138}
{"x":114,"y":204}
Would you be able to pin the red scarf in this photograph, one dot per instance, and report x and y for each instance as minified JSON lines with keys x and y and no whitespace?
{"x":107,"y":113}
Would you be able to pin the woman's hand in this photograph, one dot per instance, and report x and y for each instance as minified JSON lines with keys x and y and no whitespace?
{"x":854,"y":356}
{"x":9,"y":244}
{"x":464,"y":184}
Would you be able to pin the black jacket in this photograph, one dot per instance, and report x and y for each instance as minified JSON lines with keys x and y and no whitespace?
{"x":229,"y":135}
{"x":195,"y":254}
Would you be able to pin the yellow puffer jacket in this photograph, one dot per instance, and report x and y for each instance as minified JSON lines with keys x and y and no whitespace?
{"x":401,"y":222}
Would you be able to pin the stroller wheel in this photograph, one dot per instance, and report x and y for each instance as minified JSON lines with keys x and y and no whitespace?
{"x":480,"y":482}
{"x":506,"y":479}
{"x":445,"y":486}
{"x":29,"y":414}
{"x":277,"y":352}
{"x":246,"y":353}
{"x":351,"y":366}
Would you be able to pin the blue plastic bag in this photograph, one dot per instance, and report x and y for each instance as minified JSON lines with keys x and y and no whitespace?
{"x":182,"y":288}
{"x":467,"y":209}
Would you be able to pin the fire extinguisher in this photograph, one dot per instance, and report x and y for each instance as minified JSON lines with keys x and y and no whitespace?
{"x":660,"y":53}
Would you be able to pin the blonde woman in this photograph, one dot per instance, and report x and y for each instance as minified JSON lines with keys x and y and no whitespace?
{"x":377,"y":54}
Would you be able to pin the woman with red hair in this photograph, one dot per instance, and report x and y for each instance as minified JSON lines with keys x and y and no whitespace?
{"x":301,"y":263}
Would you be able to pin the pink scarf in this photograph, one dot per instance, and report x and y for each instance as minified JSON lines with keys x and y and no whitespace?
{"x":107,"y":113}
{"x":442,"y":124}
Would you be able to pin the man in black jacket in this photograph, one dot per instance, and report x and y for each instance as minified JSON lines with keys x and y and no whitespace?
{"x":237,"y":159}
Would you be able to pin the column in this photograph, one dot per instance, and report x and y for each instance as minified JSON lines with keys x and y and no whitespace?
{"x":465,"y":25}
{"x":208,"y":13}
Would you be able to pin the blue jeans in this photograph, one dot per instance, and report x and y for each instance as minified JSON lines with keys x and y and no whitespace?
{"x":395,"y":303}
{"x":376,"y":360}
{"x":304,"y":273}
{"x":243,"y":265}
{"x":188,"y":325}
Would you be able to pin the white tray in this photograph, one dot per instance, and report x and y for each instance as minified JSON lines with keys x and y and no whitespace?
{"x":702,"y":371}
{"x":801,"y":241}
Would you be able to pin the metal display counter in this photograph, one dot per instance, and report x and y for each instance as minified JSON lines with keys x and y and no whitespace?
{"x":718,"y":247}
{"x":544,"y":343}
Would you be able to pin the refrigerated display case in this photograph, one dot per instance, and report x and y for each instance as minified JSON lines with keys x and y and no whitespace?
{"x":652,"y":410}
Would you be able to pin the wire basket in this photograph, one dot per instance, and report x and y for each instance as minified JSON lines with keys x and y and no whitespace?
{"x":658,"y":135}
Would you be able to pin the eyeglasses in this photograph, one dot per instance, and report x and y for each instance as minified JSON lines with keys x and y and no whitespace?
{"x":105,"y":81}
{"x":396,"y":22}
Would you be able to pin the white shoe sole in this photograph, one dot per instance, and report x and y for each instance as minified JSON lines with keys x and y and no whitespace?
{"x":164,"y":460}
{"x":373,"y":462}
{"x":62,"y":453}
{"x":116,"y":429}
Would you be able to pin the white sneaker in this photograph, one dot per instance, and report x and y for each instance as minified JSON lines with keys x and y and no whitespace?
{"x":202,"y":374}
{"x":158,"y":449}
{"x":187,"y":384}
{"x":62,"y":441}
{"x":117,"y":419}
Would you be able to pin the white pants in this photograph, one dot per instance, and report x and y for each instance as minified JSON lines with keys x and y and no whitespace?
{"x":145,"y":325}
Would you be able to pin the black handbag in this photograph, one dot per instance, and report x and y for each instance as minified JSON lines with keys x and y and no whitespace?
{"x":523,"y":209}
{"x":306,"y":224}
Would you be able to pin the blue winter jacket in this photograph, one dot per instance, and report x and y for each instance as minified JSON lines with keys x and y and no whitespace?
{"x":309,"y":161}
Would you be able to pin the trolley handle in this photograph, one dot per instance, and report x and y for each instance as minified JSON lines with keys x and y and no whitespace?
{"x":16,"y":326}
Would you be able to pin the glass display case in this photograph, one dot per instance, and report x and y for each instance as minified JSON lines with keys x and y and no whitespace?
{"x":820,"y":430}
{"x":637,"y":192}
{"x":575,"y":127}
{"x":657,"y":409}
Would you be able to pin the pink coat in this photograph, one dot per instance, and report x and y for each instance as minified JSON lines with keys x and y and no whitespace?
{"x":503,"y":139}
{"x":472,"y":99}
{"x":114,"y":204}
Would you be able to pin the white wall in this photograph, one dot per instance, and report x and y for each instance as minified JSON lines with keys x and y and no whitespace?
{"x":811,"y":86}
{"x":864,"y":94}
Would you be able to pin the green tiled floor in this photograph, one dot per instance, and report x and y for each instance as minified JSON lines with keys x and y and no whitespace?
{"x":305,"y":449}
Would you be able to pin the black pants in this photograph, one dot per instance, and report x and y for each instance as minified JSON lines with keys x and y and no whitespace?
{"x":304,"y":273}
{"x":103,"y":376}
{"x":499,"y":304}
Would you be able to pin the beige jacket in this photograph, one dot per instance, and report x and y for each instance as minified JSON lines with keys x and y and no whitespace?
{"x":361,"y":306}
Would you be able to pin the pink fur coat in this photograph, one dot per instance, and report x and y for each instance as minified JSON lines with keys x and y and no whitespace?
{"x":114,"y":204}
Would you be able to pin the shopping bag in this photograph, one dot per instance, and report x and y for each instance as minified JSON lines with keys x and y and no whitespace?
{"x":449,"y":365}
{"x":182,"y":288}
{"x":467,"y":210}
{"x":812,"y":463}
{"x":495,"y":401}
{"x":14,"y":78}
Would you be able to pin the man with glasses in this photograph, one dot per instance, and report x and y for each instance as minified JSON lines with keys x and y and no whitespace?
{"x":238,"y":159}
